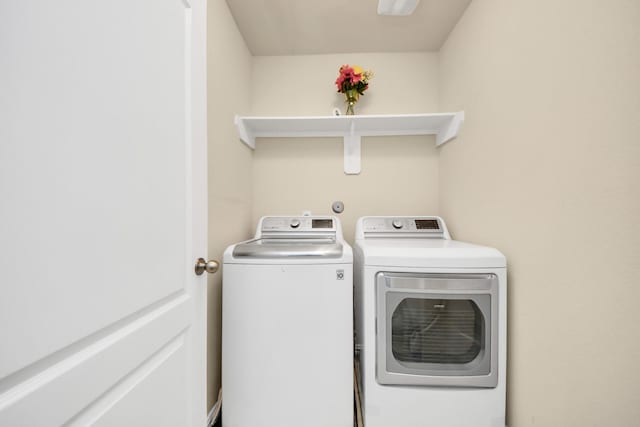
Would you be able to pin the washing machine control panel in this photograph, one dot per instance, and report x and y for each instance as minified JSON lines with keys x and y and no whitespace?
{"x":298,"y":224}
{"x":426,"y":226}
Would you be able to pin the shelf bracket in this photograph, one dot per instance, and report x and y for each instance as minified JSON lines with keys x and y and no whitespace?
{"x":451,"y":129}
{"x":352,"y":144}
{"x":245,"y":135}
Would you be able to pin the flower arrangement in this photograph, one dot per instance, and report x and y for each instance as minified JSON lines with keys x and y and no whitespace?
{"x":352,"y":81}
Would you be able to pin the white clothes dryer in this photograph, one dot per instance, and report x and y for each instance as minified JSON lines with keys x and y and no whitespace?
{"x":430,"y":326}
{"x":287,"y":326}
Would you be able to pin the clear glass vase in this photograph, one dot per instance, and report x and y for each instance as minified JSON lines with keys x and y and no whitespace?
{"x":351,"y":96}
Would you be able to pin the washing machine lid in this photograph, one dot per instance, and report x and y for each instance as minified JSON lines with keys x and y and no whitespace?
{"x":277,"y":248}
{"x":428,"y":253}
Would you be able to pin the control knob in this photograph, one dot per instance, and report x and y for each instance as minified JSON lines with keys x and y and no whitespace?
{"x":397,"y":224}
{"x":294,"y":223}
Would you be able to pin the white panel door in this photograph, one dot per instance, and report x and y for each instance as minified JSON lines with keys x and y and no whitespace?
{"x":102,"y":212}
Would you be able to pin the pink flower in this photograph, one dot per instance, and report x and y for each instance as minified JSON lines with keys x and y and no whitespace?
{"x":346,"y":70}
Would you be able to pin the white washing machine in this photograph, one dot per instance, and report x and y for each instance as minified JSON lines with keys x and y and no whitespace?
{"x":430,"y":326}
{"x":287,"y":326}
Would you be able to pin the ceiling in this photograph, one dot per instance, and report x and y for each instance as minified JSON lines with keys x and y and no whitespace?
{"x":303,"y":27}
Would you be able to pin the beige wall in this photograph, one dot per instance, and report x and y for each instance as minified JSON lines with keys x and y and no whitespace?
{"x":399,"y":174}
{"x":229,"y":78}
{"x":547,"y":169}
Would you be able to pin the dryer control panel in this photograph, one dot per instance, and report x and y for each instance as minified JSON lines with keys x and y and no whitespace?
{"x":425,"y":227}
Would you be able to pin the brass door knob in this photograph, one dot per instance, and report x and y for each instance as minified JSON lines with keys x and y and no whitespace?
{"x":210,"y":266}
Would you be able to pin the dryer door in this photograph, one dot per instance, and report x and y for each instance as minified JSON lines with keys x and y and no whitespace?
{"x":437,"y":329}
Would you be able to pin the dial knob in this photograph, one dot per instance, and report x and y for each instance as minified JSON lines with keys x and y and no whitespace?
{"x":294,"y":223}
{"x":397,"y":224}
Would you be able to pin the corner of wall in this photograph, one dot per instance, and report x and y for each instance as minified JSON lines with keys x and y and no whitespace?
{"x":230,"y":162}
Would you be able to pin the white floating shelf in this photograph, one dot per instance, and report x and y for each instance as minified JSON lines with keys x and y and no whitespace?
{"x":444,"y":125}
